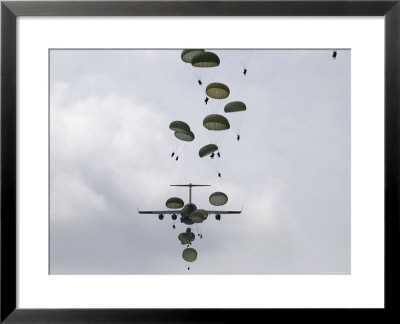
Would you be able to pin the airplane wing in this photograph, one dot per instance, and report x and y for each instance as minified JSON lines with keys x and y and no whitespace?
{"x":224,"y":211}
{"x":168,"y":212}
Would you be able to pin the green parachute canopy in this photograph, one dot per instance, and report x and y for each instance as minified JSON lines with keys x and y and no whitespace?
{"x":217,"y":90}
{"x":187,"y":55}
{"x":203,"y":212}
{"x":234,"y":106}
{"x":191,"y":236}
{"x":174,"y":202}
{"x":184,"y":136}
{"x":186,"y":238}
{"x":187,"y":210}
{"x":205,"y":60}
{"x":196,"y":217}
{"x":189,"y":255}
{"x":207,"y":150}
{"x":218,"y":199}
{"x":216,"y":122}
{"x":179,"y":126}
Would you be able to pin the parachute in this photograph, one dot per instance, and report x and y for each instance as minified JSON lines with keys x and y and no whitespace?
{"x":236,"y":110}
{"x":184,"y":136}
{"x":215,"y":122}
{"x":203,"y":212}
{"x":218,"y":199}
{"x":187,"y":55}
{"x":207,"y":150}
{"x":234,"y":106}
{"x":196,"y":217}
{"x":191,"y":236}
{"x":189,"y":254}
{"x":205,"y":60}
{"x":174,"y":202}
{"x":186,"y":238}
{"x":217,"y":90}
{"x":200,"y":59}
{"x":179,"y":126}
{"x":188,"y":209}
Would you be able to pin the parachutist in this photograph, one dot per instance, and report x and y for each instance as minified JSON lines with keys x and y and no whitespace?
{"x":238,"y":137}
{"x":199,"y":81}
{"x":201,"y":236}
{"x":173,"y":226}
{"x":188,"y":268}
{"x":334,"y":54}
{"x":219,"y":154}
{"x":219,"y":175}
{"x":177,"y":157}
{"x":206,"y":100}
{"x":173,"y":153}
{"x":244,"y":71}
{"x":212,"y":155}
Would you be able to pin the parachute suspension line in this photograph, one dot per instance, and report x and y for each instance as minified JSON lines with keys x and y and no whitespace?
{"x":196,"y":76}
{"x":245,"y":57}
{"x":237,"y":121}
{"x":205,"y":75}
{"x":217,"y":137}
{"x":174,"y":148}
{"x":212,"y":74}
{"x":216,"y":106}
{"x":249,"y":59}
{"x":199,"y":232}
{"x":181,"y":147}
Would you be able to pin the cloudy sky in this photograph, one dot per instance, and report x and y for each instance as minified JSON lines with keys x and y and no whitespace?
{"x":110,"y":149}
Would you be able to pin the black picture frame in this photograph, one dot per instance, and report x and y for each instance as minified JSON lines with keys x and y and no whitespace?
{"x":10,"y":10}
